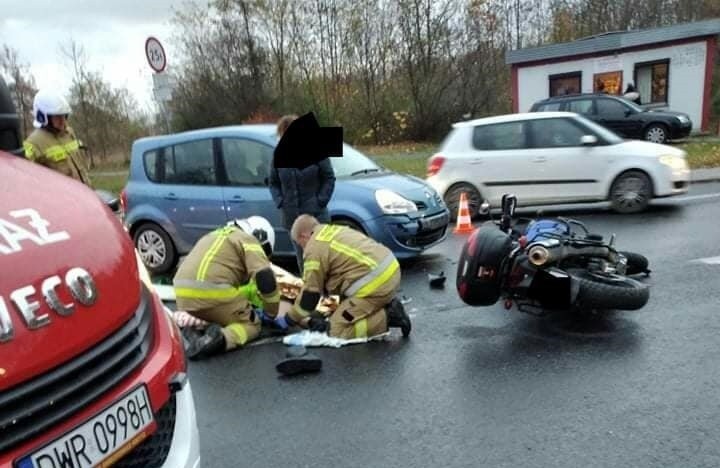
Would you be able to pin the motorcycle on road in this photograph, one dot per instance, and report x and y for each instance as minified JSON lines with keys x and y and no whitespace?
{"x":548,"y":264}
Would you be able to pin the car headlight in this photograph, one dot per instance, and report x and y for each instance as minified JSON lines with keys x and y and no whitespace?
{"x":392,"y":203}
{"x":673,"y":162}
{"x":683,"y":119}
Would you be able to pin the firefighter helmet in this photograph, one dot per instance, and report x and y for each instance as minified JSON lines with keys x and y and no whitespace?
{"x":260,"y":228}
{"x":47,"y":103}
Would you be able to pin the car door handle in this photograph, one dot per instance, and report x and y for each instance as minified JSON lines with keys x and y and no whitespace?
{"x":476,"y":161}
{"x":171,"y":196}
{"x":540,"y":159}
{"x":237,"y":199}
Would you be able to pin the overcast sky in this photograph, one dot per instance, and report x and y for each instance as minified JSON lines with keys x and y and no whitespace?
{"x":112,"y":33}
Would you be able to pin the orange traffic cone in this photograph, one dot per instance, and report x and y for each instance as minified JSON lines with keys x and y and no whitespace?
{"x":464,"y":224}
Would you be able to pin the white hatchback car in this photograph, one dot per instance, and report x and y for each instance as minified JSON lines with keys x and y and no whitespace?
{"x":553,"y":158}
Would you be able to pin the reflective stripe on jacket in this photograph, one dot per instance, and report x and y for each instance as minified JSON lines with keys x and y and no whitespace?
{"x":340,"y":260}
{"x":221,"y":267}
{"x":60,"y":152}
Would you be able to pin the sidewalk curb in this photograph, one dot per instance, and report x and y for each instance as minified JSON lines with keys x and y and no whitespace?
{"x":699,"y":176}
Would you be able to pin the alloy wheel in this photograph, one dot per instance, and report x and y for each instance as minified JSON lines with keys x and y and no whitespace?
{"x":152,"y":248}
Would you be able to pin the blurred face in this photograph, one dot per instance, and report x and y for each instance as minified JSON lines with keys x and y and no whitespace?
{"x":58,"y":121}
{"x":303,"y":239}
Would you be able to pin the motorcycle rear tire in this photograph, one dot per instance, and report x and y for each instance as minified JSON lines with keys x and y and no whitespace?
{"x":612,"y":292}
{"x":636,"y":263}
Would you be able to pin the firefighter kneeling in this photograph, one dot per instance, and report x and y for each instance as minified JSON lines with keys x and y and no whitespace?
{"x":366,"y":275}
{"x":227,"y":280}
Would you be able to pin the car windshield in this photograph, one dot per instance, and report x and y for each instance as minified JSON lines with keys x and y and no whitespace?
{"x":602,"y":132}
{"x":352,"y":163}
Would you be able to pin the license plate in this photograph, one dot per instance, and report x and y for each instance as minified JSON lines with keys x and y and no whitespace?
{"x":436,"y":222}
{"x":100,"y":441}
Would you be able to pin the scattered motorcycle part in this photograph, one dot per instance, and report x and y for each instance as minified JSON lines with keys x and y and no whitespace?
{"x":437,"y":281}
{"x":299,"y":365}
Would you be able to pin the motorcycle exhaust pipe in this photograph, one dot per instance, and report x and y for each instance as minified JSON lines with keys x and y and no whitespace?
{"x":538,"y":255}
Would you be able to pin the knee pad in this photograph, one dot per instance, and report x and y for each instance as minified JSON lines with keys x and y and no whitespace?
{"x":265,"y":280}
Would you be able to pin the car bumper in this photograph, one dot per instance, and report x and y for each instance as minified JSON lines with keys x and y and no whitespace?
{"x":173,"y":408}
{"x":410,"y":236}
{"x":675,"y":182}
{"x":185,"y":448}
{"x":680,"y":131}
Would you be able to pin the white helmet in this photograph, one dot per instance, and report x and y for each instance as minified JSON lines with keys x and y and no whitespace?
{"x":47,"y":103}
{"x":260,"y":228}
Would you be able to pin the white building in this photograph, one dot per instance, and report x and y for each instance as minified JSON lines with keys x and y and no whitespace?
{"x":671,"y":68}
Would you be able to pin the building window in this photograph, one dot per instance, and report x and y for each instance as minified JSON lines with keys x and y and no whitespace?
{"x":566,"y":83}
{"x":609,"y":83}
{"x":651,"y":81}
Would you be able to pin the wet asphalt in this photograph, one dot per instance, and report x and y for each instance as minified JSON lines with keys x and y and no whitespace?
{"x":491,"y":387}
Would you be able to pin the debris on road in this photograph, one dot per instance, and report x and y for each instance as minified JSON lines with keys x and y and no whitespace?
{"x":437,"y":281}
{"x":300,"y":363}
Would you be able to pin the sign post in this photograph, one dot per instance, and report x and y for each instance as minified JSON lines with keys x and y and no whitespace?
{"x":162,"y":86}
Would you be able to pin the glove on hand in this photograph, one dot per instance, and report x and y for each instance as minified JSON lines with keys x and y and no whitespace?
{"x":317,"y":324}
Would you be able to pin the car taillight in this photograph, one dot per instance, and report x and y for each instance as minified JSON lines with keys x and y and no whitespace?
{"x":435,"y":164}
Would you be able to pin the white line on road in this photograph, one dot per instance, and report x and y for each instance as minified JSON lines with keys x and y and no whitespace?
{"x":697,"y":197}
{"x":708,"y":260}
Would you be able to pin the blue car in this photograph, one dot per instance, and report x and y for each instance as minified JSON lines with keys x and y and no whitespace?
{"x":183,"y":185}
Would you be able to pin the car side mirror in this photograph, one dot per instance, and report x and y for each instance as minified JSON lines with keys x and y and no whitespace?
{"x":484,"y":208}
{"x":588,"y":140}
{"x":110,"y":200}
{"x":629,"y":112}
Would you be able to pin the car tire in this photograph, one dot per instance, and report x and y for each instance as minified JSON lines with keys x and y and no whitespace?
{"x":452,"y":199}
{"x":349,"y":223}
{"x":155,"y":248}
{"x":630,"y":192}
{"x":657,"y":133}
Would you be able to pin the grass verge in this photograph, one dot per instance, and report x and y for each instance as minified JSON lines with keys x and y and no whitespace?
{"x":702,"y":154}
{"x":113,"y":183}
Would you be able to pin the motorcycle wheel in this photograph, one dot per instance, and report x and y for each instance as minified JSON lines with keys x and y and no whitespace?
{"x":636,"y":263}
{"x":609,"y":292}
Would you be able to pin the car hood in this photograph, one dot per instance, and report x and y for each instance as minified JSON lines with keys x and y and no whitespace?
{"x":666,"y":113}
{"x":408,"y":186}
{"x":53,"y":224}
{"x":648,"y":149}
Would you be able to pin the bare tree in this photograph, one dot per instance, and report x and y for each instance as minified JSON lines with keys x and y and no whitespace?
{"x":22,"y":85}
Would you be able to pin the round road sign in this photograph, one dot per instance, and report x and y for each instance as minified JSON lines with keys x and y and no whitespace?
{"x":155,"y":54}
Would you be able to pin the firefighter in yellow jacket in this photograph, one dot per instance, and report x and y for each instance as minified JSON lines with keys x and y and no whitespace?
{"x":216,"y":281}
{"x":53,"y":143}
{"x":366,"y":274}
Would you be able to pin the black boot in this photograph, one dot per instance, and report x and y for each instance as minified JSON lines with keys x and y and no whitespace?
{"x":397,"y":317}
{"x":202,"y":346}
{"x":298,"y":364}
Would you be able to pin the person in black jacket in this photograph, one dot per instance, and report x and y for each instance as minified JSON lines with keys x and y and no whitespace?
{"x":301,"y":191}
